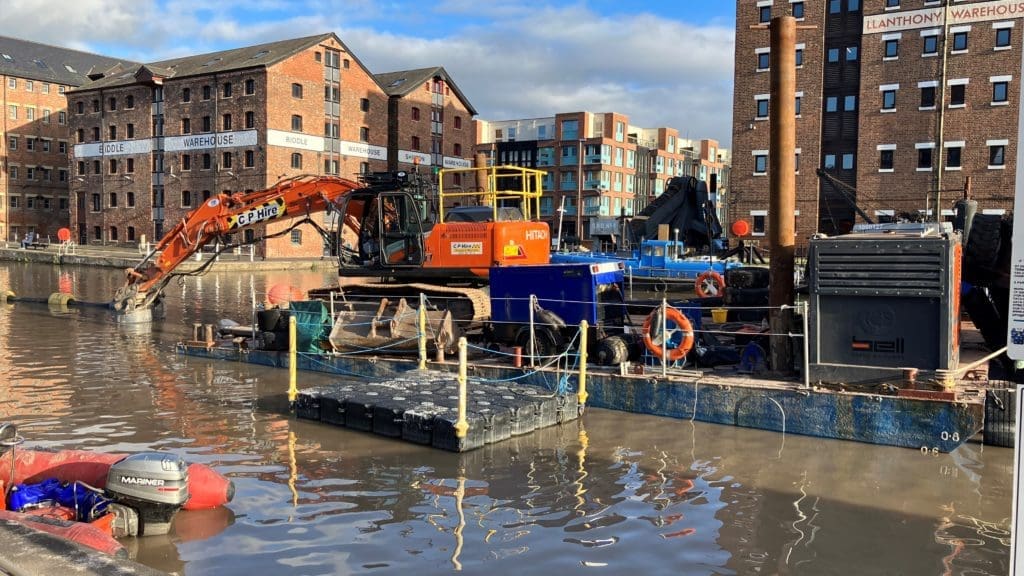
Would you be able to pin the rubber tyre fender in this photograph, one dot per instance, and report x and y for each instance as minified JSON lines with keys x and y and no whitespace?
{"x":547,"y":342}
{"x":612,"y":351}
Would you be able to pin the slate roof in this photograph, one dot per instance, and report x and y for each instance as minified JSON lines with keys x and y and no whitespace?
{"x":403,"y":82}
{"x":258,"y":56}
{"x":35,"y":61}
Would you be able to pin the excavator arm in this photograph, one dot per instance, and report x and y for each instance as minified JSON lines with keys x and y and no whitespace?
{"x":220,"y":215}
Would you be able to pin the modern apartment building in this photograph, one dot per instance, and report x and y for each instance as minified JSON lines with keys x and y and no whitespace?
{"x":34,"y":136}
{"x":623,"y":167}
{"x":899,"y":101}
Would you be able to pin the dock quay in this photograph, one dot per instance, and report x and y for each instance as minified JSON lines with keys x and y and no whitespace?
{"x":915,"y":419}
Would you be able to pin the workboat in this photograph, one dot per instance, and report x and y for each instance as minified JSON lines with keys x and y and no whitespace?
{"x":92,"y":498}
{"x":661,"y":264}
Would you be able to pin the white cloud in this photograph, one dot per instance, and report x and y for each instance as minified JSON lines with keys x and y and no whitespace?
{"x":511,"y":62}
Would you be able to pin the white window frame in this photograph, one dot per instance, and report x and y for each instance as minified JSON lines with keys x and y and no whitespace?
{"x":928,"y":84}
{"x":883,"y":88}
{"x":1001,"y":26}
{"x":996,"y":79}
{"x":892,"y":147}
{"x":757,"y":99}
{"x":953,"y":31}
{"x":925,"y":145}
{"x":763,"y":213}
{"x":757,"y":55}
{"x":755,"y":154}
{"x":998,"y":142}
{"x":959,"y":82}
{"x":897,"y":36}
{"x":961,"y":144}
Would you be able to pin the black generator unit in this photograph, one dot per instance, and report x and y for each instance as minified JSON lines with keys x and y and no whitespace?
{"x":883,"y":299}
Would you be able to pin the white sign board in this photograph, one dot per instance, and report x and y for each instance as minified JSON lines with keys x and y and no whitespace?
{"x":1015,"y":315}
{"x":930,"y":17}
{"x":453,"y":162}
{"x":117,"y":148}
{"x":364,"y":150}
{"x":1016,"y":521}
{"x":409,"y":157}
{"x":212,"y":140}
{"x":295,"y":140}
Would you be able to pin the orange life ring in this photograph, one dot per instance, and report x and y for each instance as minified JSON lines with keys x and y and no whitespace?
{"x":681,"y":323}
{"x":709,"y":283}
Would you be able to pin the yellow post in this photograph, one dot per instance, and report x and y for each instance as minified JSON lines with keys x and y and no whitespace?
{"x":293,"y":364}
{"x":423,"y":331}
{"x":461,"y":426}
{"x":582,"y":393}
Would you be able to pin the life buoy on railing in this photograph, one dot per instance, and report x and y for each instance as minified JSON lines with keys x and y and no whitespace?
{"x":709,"y":283}
{"x":675,"y":323}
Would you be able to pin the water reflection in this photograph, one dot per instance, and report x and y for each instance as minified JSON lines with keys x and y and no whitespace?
{"x":621,"y":492}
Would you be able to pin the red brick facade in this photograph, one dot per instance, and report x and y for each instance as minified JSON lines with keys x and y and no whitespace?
{"x":278,"y":116}
{"x":894,"y":126}
{"x":33,"y":154}
{"x":748,"y":190}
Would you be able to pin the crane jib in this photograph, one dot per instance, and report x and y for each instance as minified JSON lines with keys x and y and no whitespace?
{"x":265,"y":211}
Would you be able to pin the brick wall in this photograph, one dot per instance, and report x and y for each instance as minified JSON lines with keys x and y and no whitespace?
{"x":748,"y":193}
{"x":906,"y":188}
{"x":44,"y":132}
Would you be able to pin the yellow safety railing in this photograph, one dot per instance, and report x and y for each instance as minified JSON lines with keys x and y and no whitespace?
{"x":524,"y":185}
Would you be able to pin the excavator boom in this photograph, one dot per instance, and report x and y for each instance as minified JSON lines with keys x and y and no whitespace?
{"x":221,"y":215}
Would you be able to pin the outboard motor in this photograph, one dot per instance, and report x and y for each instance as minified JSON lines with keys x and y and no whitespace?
{"x":154,"y":484}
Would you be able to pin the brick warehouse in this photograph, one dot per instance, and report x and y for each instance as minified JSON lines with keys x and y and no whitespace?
{"x":895,"y":99}
{"x":623,"y":167}
{"x":152,"y":141}
{"x":34,"y":135}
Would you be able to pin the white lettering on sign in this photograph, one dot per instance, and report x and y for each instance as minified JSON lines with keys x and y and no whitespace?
{"x":214,"y":140}
{"x":536,"y":235}
{"x":467,"y":248}
{"x":410,"y":157}
{"x":364,"y":150}
{"x":116,"y":148}
{"x":295,"y":140}
{"x":135,"y":481}
{"x":453,"y":162}
{"x":958,"y":14}
{"x":267,"y":211}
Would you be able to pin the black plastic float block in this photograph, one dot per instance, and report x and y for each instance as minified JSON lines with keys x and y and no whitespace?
{"x":332,"y":403}
{"x":496,"y":419}
{"x":568,"y":408}
{"x":359,"y":411}
{"x":444,"y":436}
{"x":388,"y":416}
{"x":307,"y":405}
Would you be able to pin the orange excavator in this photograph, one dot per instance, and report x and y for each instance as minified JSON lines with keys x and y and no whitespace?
{"x":391,"y":227}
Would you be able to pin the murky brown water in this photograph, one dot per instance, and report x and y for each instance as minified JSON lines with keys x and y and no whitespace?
{"x":614,"y":494}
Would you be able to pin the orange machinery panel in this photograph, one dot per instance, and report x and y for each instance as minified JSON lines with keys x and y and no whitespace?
{"x":478,"y":248}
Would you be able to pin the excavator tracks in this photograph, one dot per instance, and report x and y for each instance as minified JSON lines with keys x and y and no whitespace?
{"x":468,"y":306}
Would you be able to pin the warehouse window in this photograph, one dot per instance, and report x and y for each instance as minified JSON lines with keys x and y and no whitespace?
{"x":297,"y":90}
{"x":886,"y":159}
{"x":764,"y":14}
{"x":297,"y":123}
{"x":296,"y":237}
{"x":1003,"y":37}
{"x":296,"y":160}
{"x":957,"y":95}
{"x":930,"y":45}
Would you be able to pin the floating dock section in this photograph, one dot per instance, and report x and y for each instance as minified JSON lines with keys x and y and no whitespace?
{"x":421,"y":406}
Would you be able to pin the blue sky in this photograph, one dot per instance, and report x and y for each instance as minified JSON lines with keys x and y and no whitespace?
{"x":663,"y":63}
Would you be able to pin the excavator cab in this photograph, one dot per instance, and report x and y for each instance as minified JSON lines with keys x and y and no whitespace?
{"x":382,"y":229}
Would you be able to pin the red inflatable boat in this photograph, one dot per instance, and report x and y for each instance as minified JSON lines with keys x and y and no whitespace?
{"x":207,"y":488}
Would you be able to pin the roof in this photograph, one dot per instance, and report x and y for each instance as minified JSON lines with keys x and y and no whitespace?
{"x":403,"y":82}
{"x":35,"y":61}
{"x":258,"y":56}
